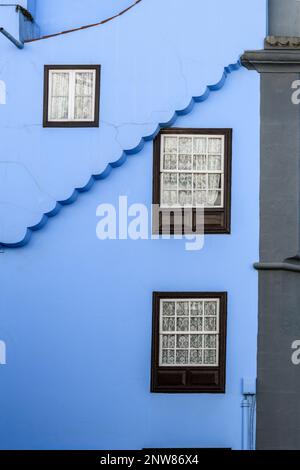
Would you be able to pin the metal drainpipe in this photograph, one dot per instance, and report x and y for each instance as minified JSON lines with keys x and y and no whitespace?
{"x":18,"y":44}
{"x":248,"y":421}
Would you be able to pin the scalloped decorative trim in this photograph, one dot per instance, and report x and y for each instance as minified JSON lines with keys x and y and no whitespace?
{"x":181,"y":112}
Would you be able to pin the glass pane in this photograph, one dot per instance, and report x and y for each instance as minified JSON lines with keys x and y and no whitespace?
{"x":196,"y":341}
{"x":185,"y":162}
{"x":59,"y":108}
{"x":214,"y":145}
{"x":182,"y":357}
{"x":168,"y":357}
{"x":84,"y":84}
{"x":200,"y":145}
{"x":185,"y":198}
{"x":210,"y":357}
{"x":170,"y":144}
{"x":214,"y":163}
{"x":169,"y":180}
{"x":170,"y":162}
{"x":196,"y":357}
{"x":214,"y":198}
{"x":210,"y":324}
{"x":199,"y":198}
{"x":169,"y":198}
{"x":84,"y":108}
{"x":196,"y":323}
{"x":182,"y":341}
{"x":200,"y":163}
{"x":196,"y":308}
{"x":168,"y":341}
{"x":182,"y":324}
{"x":185,"y":181}
{"x":60,"y":84}
{"x":168,"y":324}
{"x":185,"y":145}
{"x":210,"y":308}
{"x":210,"y":341}
{"x":200,"y":181}
{"x":169,"y":308}
{"x":214,"y":181}
{"x":182,"y":308}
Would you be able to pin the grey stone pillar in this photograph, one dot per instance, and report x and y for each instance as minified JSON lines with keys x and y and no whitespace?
{"x":284,"y":18}
{"x":278,"y":379}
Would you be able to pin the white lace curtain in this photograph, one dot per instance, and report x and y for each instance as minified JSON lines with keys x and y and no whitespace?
{"x":71,"y":95}
{"x":192,"y":171}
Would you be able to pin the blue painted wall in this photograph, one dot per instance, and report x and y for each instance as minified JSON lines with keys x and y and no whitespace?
{"x":56,"y":15}
{"x":76,"y":311}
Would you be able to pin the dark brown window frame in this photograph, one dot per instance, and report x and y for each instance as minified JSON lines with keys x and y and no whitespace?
{"x":95,"y":122}
{"x":216,"y":220}
{"x":187,"y":379}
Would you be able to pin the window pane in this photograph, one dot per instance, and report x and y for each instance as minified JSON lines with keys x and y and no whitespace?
{"x":200,"y":145}
{"x":182,"y":357}
{"x":184,"y":162}
{"x":182,"y":341}
{"x":214,"y":181}
{"x":168,"y":324}
{"x":196,"y":341}
{"x":84,"y":90}
{"x":200,"y":162}
{"x":200,"y":181}
{"x":211,"y":308}
{"x":170,"y":162}
{"x":170,"y":144}
{"x":182,"y":308}
{"x":59,"y":100}
{"x":189,"y":332}
{"x":182,"y":324}
{"x":214,"y":145}
{"x":59,"y":108}
{"x":210,"y":324}
{"x":60,"y":84}
{"x":168,"y":357}
{"x":199,"y":198}
{"x":84,"y":84}
{"x":210,"y":357}
{"x":196,"y":357}
{"x":196,"y":308}
{"x":84,"y":108}
{"x":169,"y":308}
{"x":197,"y":168}
{"x":196,"y":324}
{"x":185,"y":181}
{"x":185,"y":145}
{"x":169,"y":181}
{"x":214,"y":198}
{"x":214,"y":163}
{"x":169,"y":198}
{"x":168,"y":341}
{"x":185,"y":198}
{"x":210,"y":341}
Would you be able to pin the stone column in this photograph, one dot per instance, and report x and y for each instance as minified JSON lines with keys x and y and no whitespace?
{"x":278,"y":379}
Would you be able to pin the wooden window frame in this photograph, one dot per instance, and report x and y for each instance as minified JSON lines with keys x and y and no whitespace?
{"x":216,"y":220}
{"x":188,"y":379}
{"x":71,"y":123}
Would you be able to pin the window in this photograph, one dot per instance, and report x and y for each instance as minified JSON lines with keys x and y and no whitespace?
{"x":192,"y":169}
{"x":71,"y":96}
{"x":189,"y":342}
